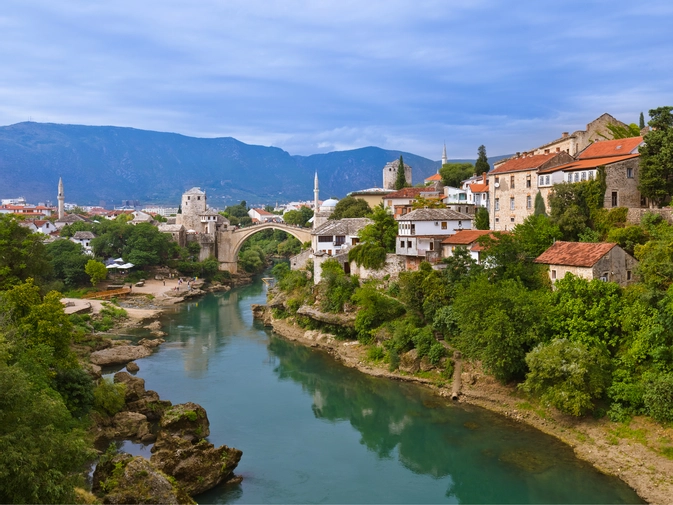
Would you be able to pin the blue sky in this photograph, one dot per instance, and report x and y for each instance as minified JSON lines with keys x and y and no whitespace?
{"x":317,"y":76}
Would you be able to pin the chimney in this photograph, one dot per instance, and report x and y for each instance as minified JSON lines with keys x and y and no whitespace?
{"x":564,"y":135}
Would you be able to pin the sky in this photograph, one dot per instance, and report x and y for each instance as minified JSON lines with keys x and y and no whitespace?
{"x":323,"y":75}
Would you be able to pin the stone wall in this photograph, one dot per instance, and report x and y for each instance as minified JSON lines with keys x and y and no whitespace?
{"x":635,"y":216}
{"x":617,"y":181}
{"x":390,"y":174}
{"x":393,"y":266}
{"x":299,"y":261}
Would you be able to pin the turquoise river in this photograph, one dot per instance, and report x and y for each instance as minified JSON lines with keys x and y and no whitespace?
{"x":314,"y":431}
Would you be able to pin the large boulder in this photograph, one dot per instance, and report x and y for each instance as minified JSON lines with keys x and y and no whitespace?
{"x":119,"y":355}
{"x":186,"y":420}
{"x":129,"y":425}
{"x":197,"y":466}
{"x":125,"y":479}
{"x":135,"y":386}
{"x":150,"y":405}
{"x":409,"y":362}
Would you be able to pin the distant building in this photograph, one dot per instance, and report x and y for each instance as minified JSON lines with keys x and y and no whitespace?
{"x":335,"y":235}
{"x":466,"y":239}
{"x":603,"y":260}
{"x":84,"y":239}
{"x":401,"y":202}
{"x":390,"y":174}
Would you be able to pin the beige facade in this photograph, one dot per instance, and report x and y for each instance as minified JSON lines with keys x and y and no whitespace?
{"x":373,"y":197}
{"x":573,"y":143}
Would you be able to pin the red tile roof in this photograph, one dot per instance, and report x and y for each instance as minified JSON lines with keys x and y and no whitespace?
{"x":523,"y":163}
{"x":584,"y":164}
{"x":575,"y":254}
{"x":410,"y":192}
{"x":617,"y":147}
{"x":435,"y":177}
{"x":465,"y":237}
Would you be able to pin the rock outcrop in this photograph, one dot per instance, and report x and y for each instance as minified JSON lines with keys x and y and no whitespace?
{"x":182,"y":452}
{"x":119,"y":355}
{"x":125,"y":479}
{"x":347,"y":320}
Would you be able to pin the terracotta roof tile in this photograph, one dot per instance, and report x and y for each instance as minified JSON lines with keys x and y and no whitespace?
{"x":584,"y":164}
{"x":434,"y":215}
{"x":523,"y":163}
{"x":617,"y":147}
{"x":465,"y":237}
{"x":575,"y":254}
{"x":435,"y":177}
{"x":479,"y":188}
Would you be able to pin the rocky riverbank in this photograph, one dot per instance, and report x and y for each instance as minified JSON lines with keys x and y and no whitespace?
{"x":183,"y":462}
{"x":628,"y":451}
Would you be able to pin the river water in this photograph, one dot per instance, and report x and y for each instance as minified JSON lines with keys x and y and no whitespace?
{"x":314,"y":431}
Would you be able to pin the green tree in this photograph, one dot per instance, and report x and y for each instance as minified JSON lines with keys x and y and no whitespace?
{"x":499,"y":323}
{"x":374,"y":309}
{"x":376,"y":240}
{"x":536,"y":234}
{"x":252,"y":260}
{"x":575,"y":206}
{"x":641,"y":121}
{"x":68,"y":261}
{"x":22,"y":254}
{"x":568,"y":375}
{"x":505,"y":256}
{"x":481,"y":165}
{"x":540,"y":209}
{"x":455,"y":173}
{"x":337,"y":287}
{"x":351,"y":207}
{"x":401,"y":179}
{"x":298,"y":217}
{"x":481,"y":219}
{"x":96,"y":271}
{"x":656,"y":158}
{"x":421,"y":202}
{"x":622,"y":132}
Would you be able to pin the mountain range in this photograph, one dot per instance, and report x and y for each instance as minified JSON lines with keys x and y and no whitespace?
{"x":111,"y":164}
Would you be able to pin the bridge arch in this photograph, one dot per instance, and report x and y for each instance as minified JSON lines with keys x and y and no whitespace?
{"x":230,"y":241}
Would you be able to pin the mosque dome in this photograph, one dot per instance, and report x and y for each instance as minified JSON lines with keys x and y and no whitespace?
{"x":329,"y":204}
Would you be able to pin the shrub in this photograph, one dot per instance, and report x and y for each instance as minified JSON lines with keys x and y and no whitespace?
{"x":436,"y":353}
{"x":108,"y":397}
{"x":658,"y":398}
{"x":76,"y":389}
{"x":376,"y":353}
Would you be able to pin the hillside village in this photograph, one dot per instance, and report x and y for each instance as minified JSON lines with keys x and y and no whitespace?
{"x":507,"y":191}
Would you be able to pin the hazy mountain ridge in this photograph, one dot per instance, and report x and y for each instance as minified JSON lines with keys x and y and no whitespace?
{"x":108,"y":163}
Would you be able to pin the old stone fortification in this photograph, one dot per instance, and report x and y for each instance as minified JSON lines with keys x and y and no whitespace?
{"x":620,"y":186}
{"x":635,"y":216}
{"x":390,"y":174}
{"x":393,"y":266}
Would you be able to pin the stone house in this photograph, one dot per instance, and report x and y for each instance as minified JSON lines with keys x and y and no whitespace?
{"x":466,"y":239}
{"x":513,"y":184}
{"x":263,"y":216}
{"x":334,"y":236}
{"x":420,"y":234}
{"x":577,"y":141}
{"x":177,"y":232}
{"x":401,"y":202}
{"x":603,"y":260}
{"x":373,"y":196}
{"x":84,"y":239}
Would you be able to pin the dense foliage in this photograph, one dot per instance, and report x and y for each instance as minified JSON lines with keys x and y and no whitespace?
{"x":481,"y":165}
{"x":454,"y":173}
{"x":656,"y":158}
{"x":351,"y":207}
{"x":376,"y":240}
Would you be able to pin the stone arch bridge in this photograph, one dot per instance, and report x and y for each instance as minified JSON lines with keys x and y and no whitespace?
{"x":229,"y":242}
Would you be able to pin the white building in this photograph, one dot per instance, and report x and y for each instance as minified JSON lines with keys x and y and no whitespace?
{"x":421,"y":231}
{"x":84,"y":239}
{"x":334,"y":236}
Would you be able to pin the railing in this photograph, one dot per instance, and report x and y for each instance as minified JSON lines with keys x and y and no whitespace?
{"x":106,"y":295}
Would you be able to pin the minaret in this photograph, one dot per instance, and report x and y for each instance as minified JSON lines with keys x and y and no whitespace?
{"x":444,"y":158}
{"x":316,"y":201}
{"x":61,"y":200}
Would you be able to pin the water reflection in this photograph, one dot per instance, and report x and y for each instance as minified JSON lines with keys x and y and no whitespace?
{"x":489,"y":459}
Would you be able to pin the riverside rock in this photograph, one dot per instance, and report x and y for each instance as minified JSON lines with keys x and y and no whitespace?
{"x":119,"y":355}
{"x":135,"y":386}
{"x":125,"y":479}
{"x":196,"y":466}
{"x":132,"y":367}
{"x":409,"y":362}
{"x":186,"y":420}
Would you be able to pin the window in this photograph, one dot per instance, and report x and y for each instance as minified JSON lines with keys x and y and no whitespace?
{"x":390,"y":203}
{"x":511,"y":203}
{"x":604,"y":277}
{"x":541,"y":180}
{"x":443,"y":225}
{"x":528,"y":202}
{"x":497,"y":204}
{"x":413,"y":229}
{"x":511,"y":219}
{"x":198,"y":198}
{"x":432,"y":246}
{"x":401,"y":244}
{"x":511,"y":182}
{"x":497,"y":219}
{"x":629,"y":173}
{"x":576,"y":177}
{"x":528,"y":182}
{"x":584,"y":176}
{"x":460,"y":224}
{"x":325,"y":238}
{"x":340,"y":240}
{"x":408,"y":243}
{"x":355,"y":241}
{"x":591,"y":175}
{"x":553,"y":274}
{"x":497,"y":180}
{"x":614,"y":199}
{"x":643,"y":201}
{"x":546,"y":180}
{"x":628,"y":275}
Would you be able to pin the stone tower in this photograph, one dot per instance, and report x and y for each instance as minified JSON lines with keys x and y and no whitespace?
{"x":445,"y":160}
{"x":192,"y":206}
{"x":61,"y":200}
{"x":390,"y":174}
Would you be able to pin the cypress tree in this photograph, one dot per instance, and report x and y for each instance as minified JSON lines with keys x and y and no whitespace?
{"x":481,"y":220}
{"x":481,"y":165}
{"x":540,"y":209}
{"x":642,"y":121}
{"x":401,"y":180}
